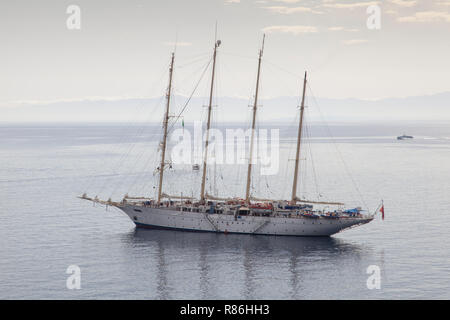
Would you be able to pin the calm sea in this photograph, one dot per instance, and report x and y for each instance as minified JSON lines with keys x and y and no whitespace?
{"x":45,"y":228}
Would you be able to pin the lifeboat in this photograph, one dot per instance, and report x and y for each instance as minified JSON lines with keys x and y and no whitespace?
{"x":309,"y":215}
{"x":261,"y":208}
{"x":331,"y":215}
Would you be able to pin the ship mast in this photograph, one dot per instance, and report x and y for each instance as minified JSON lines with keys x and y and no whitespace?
{"x":165,"y":125}
{"x":255,"y":106}
{"x":208,"y":124}
{"x":299,"y":139}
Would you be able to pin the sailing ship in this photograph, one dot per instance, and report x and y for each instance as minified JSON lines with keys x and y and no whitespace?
{"x":249,"y":215}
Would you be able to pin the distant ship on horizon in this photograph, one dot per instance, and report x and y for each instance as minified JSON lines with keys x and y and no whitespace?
{"x":404,"y":137}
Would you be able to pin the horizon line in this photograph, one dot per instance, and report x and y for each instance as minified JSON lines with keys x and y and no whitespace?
{"x":114,"y":99}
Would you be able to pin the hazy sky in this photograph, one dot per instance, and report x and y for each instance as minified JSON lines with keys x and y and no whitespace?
{"x":123,"y":47}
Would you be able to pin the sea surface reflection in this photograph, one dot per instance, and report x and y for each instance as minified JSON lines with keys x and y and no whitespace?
{"x":241,"y":266}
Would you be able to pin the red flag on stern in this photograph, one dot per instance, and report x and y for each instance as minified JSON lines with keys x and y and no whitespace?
{"x":382,"y":211}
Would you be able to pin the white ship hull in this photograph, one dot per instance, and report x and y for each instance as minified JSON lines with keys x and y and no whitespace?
{"x":166,"y":218}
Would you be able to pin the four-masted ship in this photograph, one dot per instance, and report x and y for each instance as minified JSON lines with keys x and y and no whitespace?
{"x":294,"y":217}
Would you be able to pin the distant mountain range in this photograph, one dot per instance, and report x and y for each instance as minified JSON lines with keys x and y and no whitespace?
{"x":229,"y":109}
